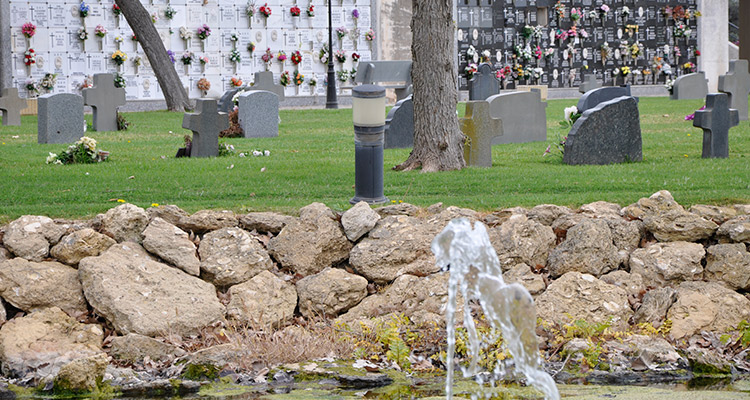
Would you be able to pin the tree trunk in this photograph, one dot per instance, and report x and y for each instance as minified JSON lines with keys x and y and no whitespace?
{"x":140,"y":21}
{"x":438,"y":141}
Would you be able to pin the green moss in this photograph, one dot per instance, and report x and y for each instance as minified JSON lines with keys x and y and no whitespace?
{"x":222,"y":388}
{"x":198,"y":372}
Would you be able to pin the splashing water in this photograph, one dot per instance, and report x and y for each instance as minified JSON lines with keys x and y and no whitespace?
{"x":475,"y":273}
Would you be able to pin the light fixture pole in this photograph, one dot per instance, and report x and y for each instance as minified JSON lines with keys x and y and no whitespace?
{"x":331,"y":101}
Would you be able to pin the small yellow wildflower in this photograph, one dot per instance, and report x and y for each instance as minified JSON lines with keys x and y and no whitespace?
{"x":120,"y":200}
{"x":154,"y":204}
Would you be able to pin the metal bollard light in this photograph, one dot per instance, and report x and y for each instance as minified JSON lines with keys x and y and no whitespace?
{"x":368,"y":115}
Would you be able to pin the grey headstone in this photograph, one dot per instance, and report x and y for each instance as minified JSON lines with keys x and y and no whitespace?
{"x":225,"y":102}
{"x":736,"y":83}
{"x":716,"y":120}
{"x":60,"y":118}
{"x":399,"y":125}
{"x":524,"y":116}
{"x":690,"y":86}
{"x":264,"y":81}
{"x":484,"y":83}
{"x":480,"y":128}
{"x":206,"y":123}
{"x":104,"y":98}
{"x":11,"y":106}
{"x":606,"y":134}
{"x":259,"y":114}
{"x":589,"y":83}
{"x":593,"y":97}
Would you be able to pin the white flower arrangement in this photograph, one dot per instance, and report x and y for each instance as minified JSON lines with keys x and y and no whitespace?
{"x":185,"y":33}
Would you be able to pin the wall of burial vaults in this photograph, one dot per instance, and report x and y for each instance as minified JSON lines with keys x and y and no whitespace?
{"x":540,"y":42}
{"x":59,"y":50}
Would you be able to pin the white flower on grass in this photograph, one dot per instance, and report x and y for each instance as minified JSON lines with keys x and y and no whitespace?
{"x":241,"y":155}
{"x":569,"y":111}
{"x":88,"y":142}
{"x":256,"y":153}
{"x":51,"y":158}
{"x":267,"y":153}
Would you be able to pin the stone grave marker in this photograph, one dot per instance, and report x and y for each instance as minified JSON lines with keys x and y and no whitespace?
{"x":104,"y":98}
{"x":399,"y":125}
{"x":690,"y":86}
{"x":716,"y":120}
{"x":206,"y":123}
{"x":524,"y":117}
{"x":225,"y":102}
{"x":60,"y":118}
{"x":11,"y":106}
{"x":480,"y":128}
{"x":736,"y":84}
{"x":264,"y":81}
{"x":483,"y":84}
{"x":606,"y":134}
{"x":589,"y":83}
{"x":593,"y":97}
{"x":259,"y":114}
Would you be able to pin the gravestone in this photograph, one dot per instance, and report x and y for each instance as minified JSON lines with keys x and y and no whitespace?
{"x":11,"y":106}
{"x":716,"y":120}
{"x":593,"y":97}
{"x":524,"y":117}
{"x":484,"y":83}
{"x":589,"y":83}
{"x":225,"y":104}
{"x":264,"y":81}
{"x":690,"y":86}
{"x":104,"y":98}
{"x":736,"y":84}
{"x":480,"y":128}
{"x":399,"y":125}
{"x":60,"y":118}
{"x":206,"y":123}
{"x":259,"y":114}
{"x":606,"y":134}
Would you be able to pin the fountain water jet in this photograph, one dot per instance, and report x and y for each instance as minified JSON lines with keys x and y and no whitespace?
{"x":475,"y":273}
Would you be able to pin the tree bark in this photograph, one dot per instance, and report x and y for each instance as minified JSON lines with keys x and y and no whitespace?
{"x":140,"y":21}
{"x":438,"y":141}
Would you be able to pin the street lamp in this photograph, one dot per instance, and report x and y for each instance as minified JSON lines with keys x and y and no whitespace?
{"x":368,"y":116}
{"x":331,"y":101}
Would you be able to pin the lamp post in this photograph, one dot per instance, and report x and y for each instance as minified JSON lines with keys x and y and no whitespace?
{"x":368,"y":116}
{"x":331,"y":101}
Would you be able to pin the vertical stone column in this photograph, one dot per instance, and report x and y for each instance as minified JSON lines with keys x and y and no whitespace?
{"x":713,"y":37}
{"x":6,"y":76}
{"x":744,"y":29}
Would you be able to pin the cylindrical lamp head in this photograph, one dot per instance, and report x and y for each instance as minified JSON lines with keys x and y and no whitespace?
{"x":368,"y":105}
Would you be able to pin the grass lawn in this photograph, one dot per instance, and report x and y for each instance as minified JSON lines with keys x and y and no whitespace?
{"x":313,"y":160}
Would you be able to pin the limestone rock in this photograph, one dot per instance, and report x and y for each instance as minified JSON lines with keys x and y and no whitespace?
{"x":172,"y":245}
{"x":655,"y":305}
{"x":658,"y":203}
{"x":32,"y":286}
{"x":742,"y":209}
{"x":30,"y":236}
{"x":5,"y":254}
{"x":167,"y":212}
{"x":626,"y":235}
{"x":520,"y":240}
{"x":398,"y":209}
{"x":737,"y":229}
{"x":139,"y":295}
{"x":653,"y":351}
{"x":706,"y":306}
{"x":80,"y":244}
{"x":521,"y":273}
{"x":124,"y":223}
{"x":263,"y":300}
{"x":208,"y":220}
{"x":268,"y":222}
{"x":42,"y":342}
{"x":82,"y":374}
{"x":717,"y":214}
{"x":588,"y":248}
{"x":209,"y":361}
{"x":601,"y":209}
{"x":632,"y":283}
{"x":230,"y":256}
{"x":670,"y":262}
{"x":679,"y":226}
{"x":546,"y":214}
{"x":729,"y":263}
{"x":567,"y":221}
{"x":312,"y":243}
{"x":330,"y":292}
{"x":582,"y":296}
{"x":134,"y":348}
{"x":704,"y":361}
{"x":498,"y":218}
{"x":359,"y":220}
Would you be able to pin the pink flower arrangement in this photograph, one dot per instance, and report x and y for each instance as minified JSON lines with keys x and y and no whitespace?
{"x":28,"y":29}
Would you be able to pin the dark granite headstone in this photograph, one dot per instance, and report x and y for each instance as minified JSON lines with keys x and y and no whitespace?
{"x":60,"y":118}
{"x":690,"y":86}
{"x":592,"y":98}
{"x":716,"y":120}
{"x":399,"y":125}
{"x":225,"y":104}
{"x":206,"y":123}
{"x":736,"y":83}
{"x":524,"y":116}
{"x":589,"y":83}
{"x":11,"y":106}
{"x":606,"y":134}
{"x":484,"y":83}
{"x":480,"y":128}
{"x":104,"y":98}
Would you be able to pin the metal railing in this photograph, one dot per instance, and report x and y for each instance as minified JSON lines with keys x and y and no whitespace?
{"x":734,"y":33}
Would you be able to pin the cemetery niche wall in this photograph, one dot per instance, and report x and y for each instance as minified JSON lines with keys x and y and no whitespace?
{"x":556,"y":42}
{"x":58,"y":45}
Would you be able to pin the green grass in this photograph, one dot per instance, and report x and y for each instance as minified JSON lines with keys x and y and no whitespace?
{"x":313,"y":160}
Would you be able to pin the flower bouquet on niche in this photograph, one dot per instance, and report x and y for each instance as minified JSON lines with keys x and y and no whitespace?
{"x":31,"y":87}
{"x":83,"y":34}
{"x":298,"y":80}
{"x":470,"y":70}
{"x":250,"y":12}
{"x":296,"y":58}
{"x":310,"y":14}
{"x":234,"y":38}
{"x":48,"y":82}
{"x":83,"y":11}
{"x":117,"y":12}
{"x":295,"y":11}
{"x":118,"y":41}
{"x":355,"y":57}
{"x":204,"y":86}
{"x":203,"y":33}
{"x":186,"y":34}
{"x":101,"y":32}
{"x":119,"y":58}
{"x":281,"y":57}
{"x":369,"y":37}
{"x":323,"y":54}
{"x":355,"y":16}
{"x":119,"y":81}
{"x":267,"y":58}
{"x":265,"y":11}
{"x":285,"y":79}
{"x":203,"y":60}
{"x":137,"y":61}
{"x":251,"y":48}
{"x":28,"y":29}
{"x":341,"y":33}
{"x":340,"y":56}
{"x":235,"y":81}
{"x":312,"y":83}
{"x":29,"y":59}
{"x":187,"y":60}
{"x":169,"y":12}
{"x":235,"y":58}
